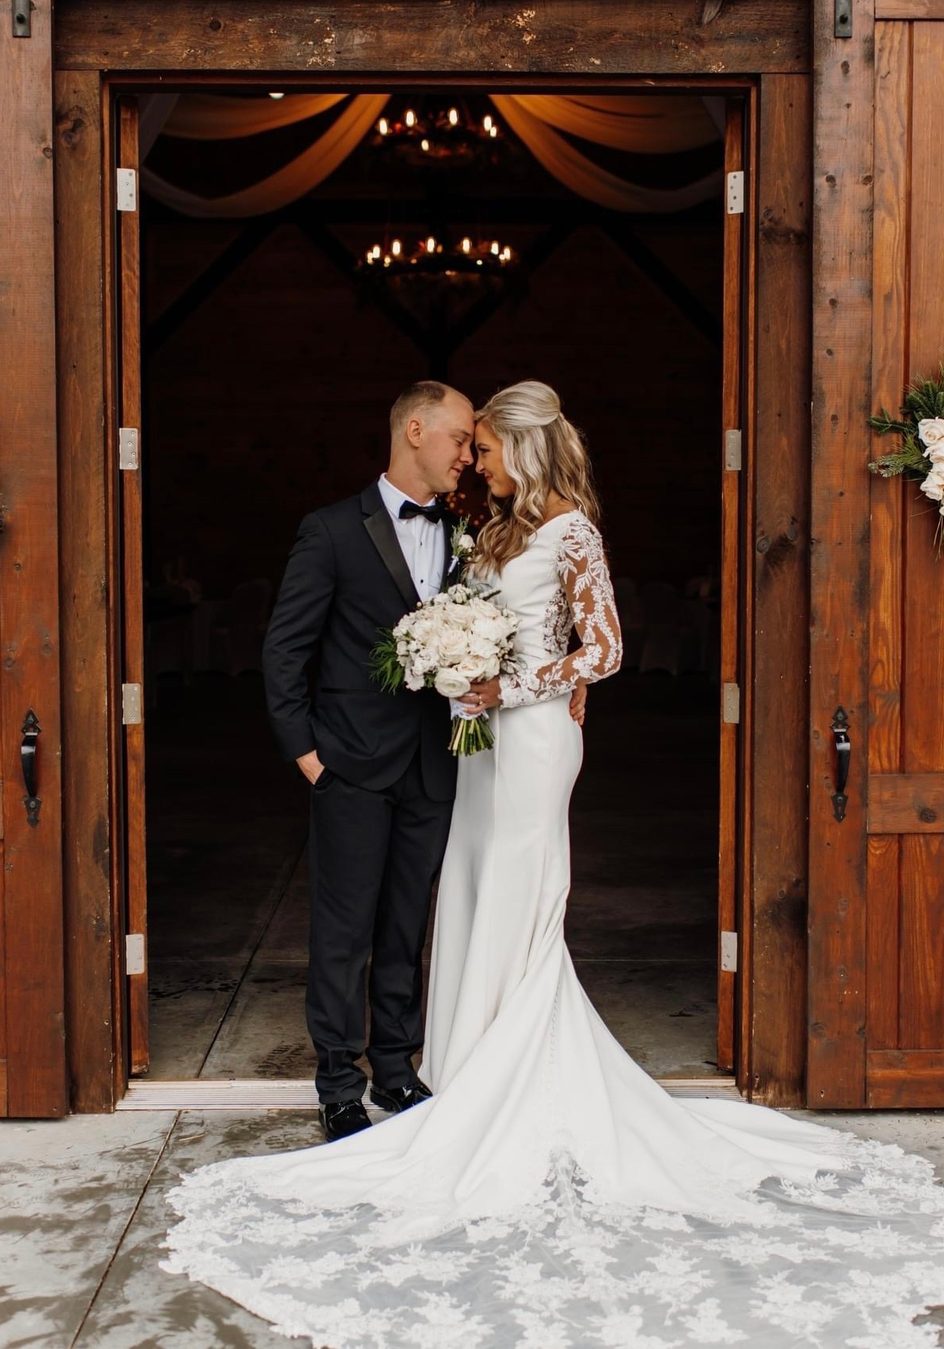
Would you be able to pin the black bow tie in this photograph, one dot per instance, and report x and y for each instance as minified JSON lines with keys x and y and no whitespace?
{"x":434,"y":511}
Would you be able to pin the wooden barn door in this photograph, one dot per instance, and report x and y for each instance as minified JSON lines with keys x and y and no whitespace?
{"x":733,"y":437}
{"x":32,"y":994}
{"x":877,"y":918}
{"x":127,"y":440}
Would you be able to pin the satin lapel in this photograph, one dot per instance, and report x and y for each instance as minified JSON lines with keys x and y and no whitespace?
{"x":384,"y":538}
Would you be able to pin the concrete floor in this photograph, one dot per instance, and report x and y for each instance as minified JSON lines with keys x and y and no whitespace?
{"x":83,"y":1219}
{"x":227,"y":879}
{"x":82,"y":1212}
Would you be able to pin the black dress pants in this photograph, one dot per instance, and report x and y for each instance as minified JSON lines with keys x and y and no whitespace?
{"x":373,"y":858}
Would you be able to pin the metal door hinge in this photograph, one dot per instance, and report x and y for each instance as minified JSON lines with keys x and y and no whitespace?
{"x":735,"y":192}
{"x":126,"y":194}
{"x":729,"y":952}
{"x":135,"y":962}
{"x":128,"y":447}
{"x":732,"y":449}
{"x":730,"y":703}
{"x":22,"y":18}
{"x":131,"y":704}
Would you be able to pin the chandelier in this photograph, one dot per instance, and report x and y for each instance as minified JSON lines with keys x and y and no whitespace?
{"x":435,"y":134}
{"x":432,"y":257}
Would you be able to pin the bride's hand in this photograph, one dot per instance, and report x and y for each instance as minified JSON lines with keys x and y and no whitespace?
{"x":482,"y":696}
{"x":578,"y":702}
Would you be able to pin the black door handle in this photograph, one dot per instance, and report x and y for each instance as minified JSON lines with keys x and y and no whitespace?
{"x":840,"y":730}
{"x":31,"y":730}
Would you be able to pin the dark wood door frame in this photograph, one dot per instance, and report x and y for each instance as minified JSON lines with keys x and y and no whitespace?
{"x":775,"y":490}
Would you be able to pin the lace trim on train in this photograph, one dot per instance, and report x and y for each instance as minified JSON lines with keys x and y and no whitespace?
{"x":848,"y":1259}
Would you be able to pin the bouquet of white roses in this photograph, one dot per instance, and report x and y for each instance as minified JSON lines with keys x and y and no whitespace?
{"x":921,"y":453}
{"x":448,"y":643}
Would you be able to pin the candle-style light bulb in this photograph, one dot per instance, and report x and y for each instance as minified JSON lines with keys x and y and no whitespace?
{"x":453,"y":117}
{"x":487,"y":122}
{"x":383,"y":126}
{"x":493,"y":131}
{"x":410,"y":117}
{"x":431,"y":245}
{"x":396,"y":248}
{"x":424,"y":144}
{"x":496,"y":249}
{"x":467,"y":245}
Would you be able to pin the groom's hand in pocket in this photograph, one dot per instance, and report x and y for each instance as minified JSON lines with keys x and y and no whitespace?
{"x":578,"y":702}
{"x":311,"y":766}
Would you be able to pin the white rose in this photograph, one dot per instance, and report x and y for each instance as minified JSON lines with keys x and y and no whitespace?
{"x":465,"y":544}
{"x":470,"y":668}
{"x":452,"y":646}
{"x":451,"y":684}
{"x":931,"y":431}
{"x":933,"y":486}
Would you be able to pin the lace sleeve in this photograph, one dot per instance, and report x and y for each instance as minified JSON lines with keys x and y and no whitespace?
{"x":585,"y":580}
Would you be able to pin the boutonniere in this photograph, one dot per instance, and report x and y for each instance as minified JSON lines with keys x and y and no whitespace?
{"x":462,"y":545}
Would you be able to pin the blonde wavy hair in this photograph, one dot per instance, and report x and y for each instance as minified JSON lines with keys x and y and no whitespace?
{"x":542,"y":453}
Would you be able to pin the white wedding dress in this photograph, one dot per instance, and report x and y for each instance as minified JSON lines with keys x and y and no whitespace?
{"x":550,"y":1194}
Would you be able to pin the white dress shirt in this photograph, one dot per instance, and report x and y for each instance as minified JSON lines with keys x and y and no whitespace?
{"x":422,"y":542}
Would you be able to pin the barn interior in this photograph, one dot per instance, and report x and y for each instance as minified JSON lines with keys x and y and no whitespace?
{"x":580,"y":244}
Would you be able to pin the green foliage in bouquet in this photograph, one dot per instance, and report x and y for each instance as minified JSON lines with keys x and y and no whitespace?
{"x":385,"y":667}
{"x":923,"y":399}
{"x":920,"y":429}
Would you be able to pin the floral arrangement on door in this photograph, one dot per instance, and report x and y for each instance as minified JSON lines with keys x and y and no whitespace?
{"x":920,"y":455}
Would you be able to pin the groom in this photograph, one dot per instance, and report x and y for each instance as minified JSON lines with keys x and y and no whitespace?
{"x":382,"y":776}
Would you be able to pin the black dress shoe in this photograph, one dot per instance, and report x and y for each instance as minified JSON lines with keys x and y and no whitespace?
{"x":341,"y":1118}
{"x":395,"y":1099}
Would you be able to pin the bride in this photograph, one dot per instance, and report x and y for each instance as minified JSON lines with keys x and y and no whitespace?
{"x":550,"y":1193}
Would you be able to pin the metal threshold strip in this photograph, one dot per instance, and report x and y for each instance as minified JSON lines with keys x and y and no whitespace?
{"x":299,"y":1094}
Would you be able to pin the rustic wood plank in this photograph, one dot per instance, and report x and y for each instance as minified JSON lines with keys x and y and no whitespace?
{"x":745,"y":915}
{"x":779,"y":869}
{"x":889,"y":377}
{"x":842,"y":323}
{"x":112,"y":727}
{"x":909,"y":9}
{"x":882,"y":936}
{"x":923,"y":676}
{"x":594,"y":38}
{"x":921,"y":951}
{"x":84,"y":577}
{"x":912,"y":1079}
{"x":906,"y":803}
{"x":29,"y":583}
{"x":889,"y":333}
{"x":132,"y":524}
{"x":731,"y":417}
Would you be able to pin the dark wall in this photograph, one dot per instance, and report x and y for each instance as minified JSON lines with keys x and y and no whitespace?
{"x":272,"y":396}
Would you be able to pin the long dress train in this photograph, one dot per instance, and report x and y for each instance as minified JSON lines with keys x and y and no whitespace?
{"x":550,"y":1193}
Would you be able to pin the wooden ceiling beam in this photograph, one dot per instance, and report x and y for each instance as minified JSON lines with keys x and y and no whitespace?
{"x":667,"y":282}
{"x":313,"y":39}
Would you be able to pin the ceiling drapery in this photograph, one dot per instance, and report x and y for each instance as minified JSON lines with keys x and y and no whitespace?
{"x":288,"y":183}
{"x":637,"y":123}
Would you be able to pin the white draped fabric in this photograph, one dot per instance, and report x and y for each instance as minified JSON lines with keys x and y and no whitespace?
{"x":637,"y":123}
{"x":288,"y":183}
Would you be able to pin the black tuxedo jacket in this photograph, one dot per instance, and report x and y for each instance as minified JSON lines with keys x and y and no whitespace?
{"x":346,"y":579}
